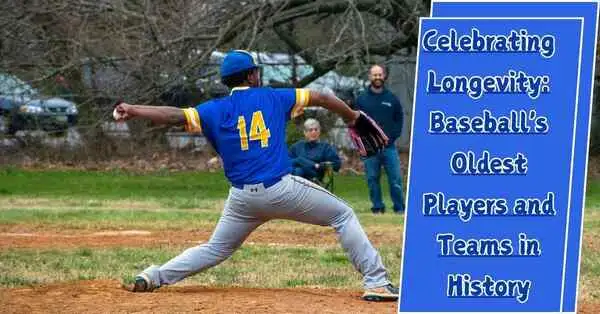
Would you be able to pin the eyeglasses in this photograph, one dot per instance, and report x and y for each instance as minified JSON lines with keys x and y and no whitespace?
{"x":312,"y":129}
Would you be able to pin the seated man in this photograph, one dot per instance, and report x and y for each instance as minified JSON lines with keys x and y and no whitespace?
{"x":312,"y":159}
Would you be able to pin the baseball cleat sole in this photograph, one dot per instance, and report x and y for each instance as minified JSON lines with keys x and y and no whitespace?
{"x":377,"y":298}
{"x":140,"y":285}
{"x":385,"y":293}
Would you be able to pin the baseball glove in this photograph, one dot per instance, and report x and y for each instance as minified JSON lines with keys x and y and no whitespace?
{"x":367,"y":136}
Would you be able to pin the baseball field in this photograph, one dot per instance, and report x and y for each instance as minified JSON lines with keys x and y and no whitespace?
{"x":69,"y":238}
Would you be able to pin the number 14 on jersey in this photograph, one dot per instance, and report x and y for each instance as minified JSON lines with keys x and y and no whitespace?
{"x":258,"y":130}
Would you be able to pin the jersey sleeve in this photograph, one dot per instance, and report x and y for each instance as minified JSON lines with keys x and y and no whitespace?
{"x":199,"y":117}
{"x":294,"y":100}
{"x":193,"y":124}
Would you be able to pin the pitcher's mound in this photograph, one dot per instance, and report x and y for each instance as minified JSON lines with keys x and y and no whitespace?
{"x":107,"y":297}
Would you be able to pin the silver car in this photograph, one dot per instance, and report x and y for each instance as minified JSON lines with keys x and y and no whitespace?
{"x":23,"y":108}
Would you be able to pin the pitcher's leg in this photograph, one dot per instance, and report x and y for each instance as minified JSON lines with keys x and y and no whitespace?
{"x":361,"y":252}
{"x":229,"y":234}
{"x":310,"y":203}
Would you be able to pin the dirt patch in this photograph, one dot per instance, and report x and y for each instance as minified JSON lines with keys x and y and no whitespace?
{"x":591,"y":241}
{"x":122,"y":233}
{"x":108,"y":297}
{"x":20,"y":238}
{"x":588,"y":308}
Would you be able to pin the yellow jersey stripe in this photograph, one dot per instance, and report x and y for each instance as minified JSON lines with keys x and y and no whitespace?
{"x":192,"y":120}
{"x":187,"y":119}
{"x":197,"y":118}
{"x":302,"y":100}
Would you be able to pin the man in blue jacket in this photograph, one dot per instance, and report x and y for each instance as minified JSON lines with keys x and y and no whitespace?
{"x":309,"y":156}
{"x":381,"y":105}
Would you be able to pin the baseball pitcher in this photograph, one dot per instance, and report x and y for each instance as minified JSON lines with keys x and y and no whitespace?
{"x":247,"y":129}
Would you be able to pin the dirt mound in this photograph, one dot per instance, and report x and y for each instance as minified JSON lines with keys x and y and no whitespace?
{"x":108,"y":297}
{"x":104,"y":296}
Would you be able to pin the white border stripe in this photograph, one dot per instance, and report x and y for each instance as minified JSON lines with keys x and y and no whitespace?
{"x":412,"y":144}
{"x":412,"y":149}
{"x":590,"y":113}
{"x":562,"y":287}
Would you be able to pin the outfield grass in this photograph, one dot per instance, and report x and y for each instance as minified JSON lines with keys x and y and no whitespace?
{"x":98,"y":219}
{"x":592,"y":197}
{"x":159,"y":219}
{"x":185,"y":201}
{"x":178,"y":201}
{"x":171,"y":190}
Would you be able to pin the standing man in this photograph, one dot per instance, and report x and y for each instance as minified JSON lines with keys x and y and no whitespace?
{"x":380,"y":104}
{"x":247,"y":129}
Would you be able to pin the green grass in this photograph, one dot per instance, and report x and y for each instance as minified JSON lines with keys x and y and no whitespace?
{"x":178,"y":190}
{"x":187,"y":201}
{"x":95,"y":219}
{"x":592,"y":197}
{"x":178,"y":201}
{"x":250,"y":266}
{"x":172,"y":190}
{"x":101,"y":219}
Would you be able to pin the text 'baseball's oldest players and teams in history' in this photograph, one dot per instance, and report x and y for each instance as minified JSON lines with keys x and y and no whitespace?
{"x":493,"y":164}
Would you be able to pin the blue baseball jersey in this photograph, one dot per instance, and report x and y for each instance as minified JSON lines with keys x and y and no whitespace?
{"x":247,"y":129}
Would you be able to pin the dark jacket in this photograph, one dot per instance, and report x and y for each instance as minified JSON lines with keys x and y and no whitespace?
{"x":385,"y":109}
{"x":306,"y":154}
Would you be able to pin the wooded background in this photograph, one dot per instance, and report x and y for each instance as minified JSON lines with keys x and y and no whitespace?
{"x":159,"y":52}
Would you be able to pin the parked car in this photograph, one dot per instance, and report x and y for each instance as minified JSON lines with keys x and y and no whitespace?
{"x":23,"y":108}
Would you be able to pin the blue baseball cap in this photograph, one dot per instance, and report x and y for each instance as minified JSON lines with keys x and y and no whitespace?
{"x":237,"y":61}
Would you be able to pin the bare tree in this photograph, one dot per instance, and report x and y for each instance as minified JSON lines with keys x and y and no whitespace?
{"x":148,"y":39}
{"x":142,"y":49}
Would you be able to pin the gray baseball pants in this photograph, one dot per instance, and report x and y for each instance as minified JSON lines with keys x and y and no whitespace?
{"x":293,"y":198}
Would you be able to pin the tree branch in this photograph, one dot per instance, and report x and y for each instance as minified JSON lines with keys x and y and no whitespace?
{"x":303,"y":8}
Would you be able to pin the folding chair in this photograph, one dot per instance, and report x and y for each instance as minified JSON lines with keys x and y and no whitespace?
{"x":328,"y":175}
